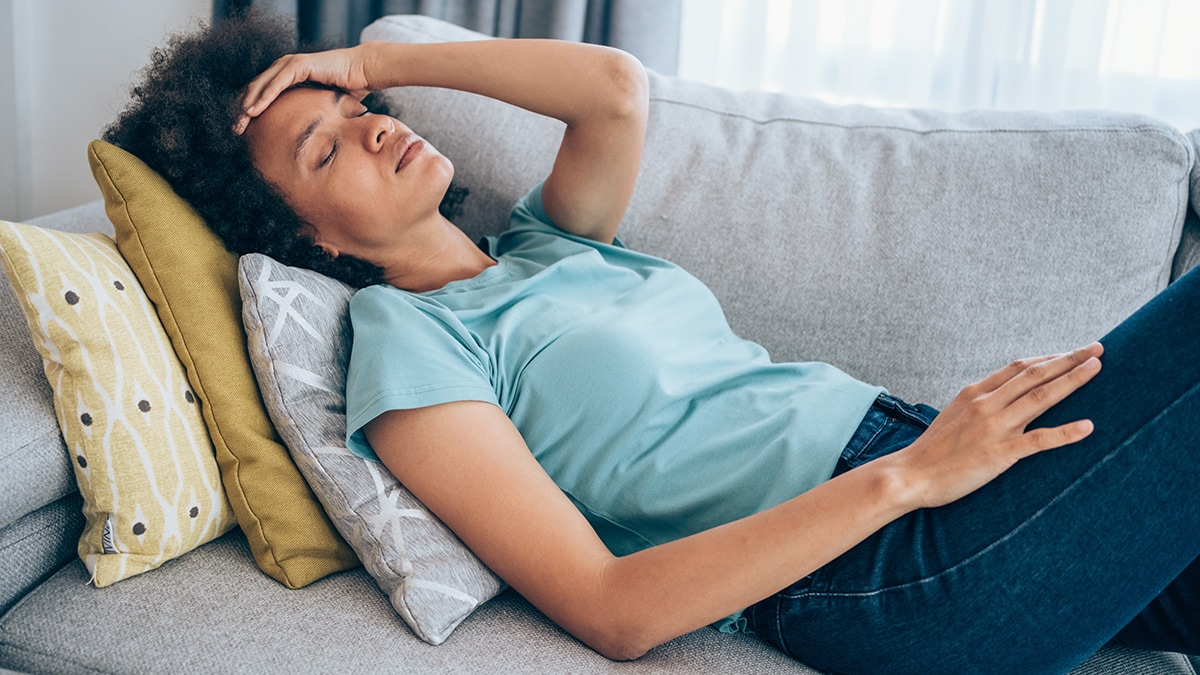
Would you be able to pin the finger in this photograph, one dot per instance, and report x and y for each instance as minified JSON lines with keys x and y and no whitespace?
{"x":995,"y":380}
{"x":1048,"y":438}
{"x":272,"y":88}
{"x":265,"y":88}
{"x":1039,"y":373}
{"x":254,"y":89}
{"x":1041,"y":398}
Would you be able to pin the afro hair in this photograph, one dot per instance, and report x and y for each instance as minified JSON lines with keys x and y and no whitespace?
{"x":180,"y":123}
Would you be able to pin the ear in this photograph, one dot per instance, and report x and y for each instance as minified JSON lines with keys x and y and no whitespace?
{"x":333,"y":252}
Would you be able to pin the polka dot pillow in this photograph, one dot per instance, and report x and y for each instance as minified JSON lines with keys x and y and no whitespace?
{"x":138,"y":445}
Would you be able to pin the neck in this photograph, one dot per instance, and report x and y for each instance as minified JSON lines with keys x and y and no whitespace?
{"x":448,"y":256}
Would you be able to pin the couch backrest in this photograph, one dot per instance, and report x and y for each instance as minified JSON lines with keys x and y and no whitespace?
{"x":915,"y":249}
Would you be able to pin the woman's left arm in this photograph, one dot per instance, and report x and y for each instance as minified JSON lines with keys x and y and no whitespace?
{"x":599,"y":92}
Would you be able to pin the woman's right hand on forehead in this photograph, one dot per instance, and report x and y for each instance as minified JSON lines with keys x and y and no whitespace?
{"x":342,"y":68}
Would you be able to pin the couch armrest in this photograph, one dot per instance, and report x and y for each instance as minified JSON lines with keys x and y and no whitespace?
{"x":88,"y":217}
{"x":1189,"y":245}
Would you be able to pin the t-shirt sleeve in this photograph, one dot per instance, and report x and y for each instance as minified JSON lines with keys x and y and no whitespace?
{"x":408,"y":352}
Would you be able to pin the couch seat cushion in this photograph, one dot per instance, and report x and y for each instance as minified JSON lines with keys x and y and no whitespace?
{"x":211,"y":611}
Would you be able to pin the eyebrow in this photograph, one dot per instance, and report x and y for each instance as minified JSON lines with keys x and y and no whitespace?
{"x":302,"y":140}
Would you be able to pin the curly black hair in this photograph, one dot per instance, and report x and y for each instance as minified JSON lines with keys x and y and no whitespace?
{"x":180,"y":123}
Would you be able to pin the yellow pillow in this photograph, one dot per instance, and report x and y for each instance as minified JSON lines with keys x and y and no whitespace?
{"x":151,"y":489}
{"x":192,"y":280}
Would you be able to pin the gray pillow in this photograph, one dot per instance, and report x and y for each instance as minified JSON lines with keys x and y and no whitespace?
{"x":298,"y":330}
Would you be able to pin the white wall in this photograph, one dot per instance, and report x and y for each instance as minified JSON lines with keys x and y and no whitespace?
{"x":65,"y":69}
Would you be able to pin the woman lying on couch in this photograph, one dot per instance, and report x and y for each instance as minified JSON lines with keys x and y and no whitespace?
{"x":583,"y":418}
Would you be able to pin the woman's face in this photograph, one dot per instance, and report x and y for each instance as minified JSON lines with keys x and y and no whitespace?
{"x":363,"y":181}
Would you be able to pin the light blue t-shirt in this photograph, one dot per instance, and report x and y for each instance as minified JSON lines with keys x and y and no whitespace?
{"x":622,"y":375}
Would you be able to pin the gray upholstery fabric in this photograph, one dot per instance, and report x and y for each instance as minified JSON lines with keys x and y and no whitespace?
{"x":914,"y":249}
{"x":37,"y":545}
{"x":40,"y":508}
{"x":212,"y":611}
{"x":1194,"y":137}
{"x":34,"y":469}
{"x":88,"y":217}
{"x":1189,"y":246}
{"x":298,"y":330}
{"x":219,"y":614}
{"x":1122,"y":661}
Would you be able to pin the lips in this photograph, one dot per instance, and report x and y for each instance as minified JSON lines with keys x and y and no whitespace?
{"x":408,"y":149}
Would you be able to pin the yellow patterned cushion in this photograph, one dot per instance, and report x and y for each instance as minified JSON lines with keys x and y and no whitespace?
{"x":138,"y":445}
{"x":192,"y":281}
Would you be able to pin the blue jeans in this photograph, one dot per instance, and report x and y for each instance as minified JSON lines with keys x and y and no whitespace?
{"x":1068,"y":550}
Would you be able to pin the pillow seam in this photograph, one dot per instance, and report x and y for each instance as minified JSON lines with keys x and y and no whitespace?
{"x":1132,"y":129}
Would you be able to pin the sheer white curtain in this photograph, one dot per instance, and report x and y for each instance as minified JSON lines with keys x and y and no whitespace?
{"x":1134,"y":55}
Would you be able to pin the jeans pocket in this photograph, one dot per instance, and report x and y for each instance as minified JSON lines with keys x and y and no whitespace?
{"x":918,"y":413}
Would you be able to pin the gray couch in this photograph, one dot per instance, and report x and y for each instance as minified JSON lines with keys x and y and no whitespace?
{"x":917,"y":250}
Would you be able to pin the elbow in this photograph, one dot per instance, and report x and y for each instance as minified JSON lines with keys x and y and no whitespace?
{"x":612,"y":617}
{"x":622,"y":633}
{"x":628,"y":85}
{"x":621,"y":646}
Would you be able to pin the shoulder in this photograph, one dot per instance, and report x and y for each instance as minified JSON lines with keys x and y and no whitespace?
{"x":384,"y":300}
{"x":529,"y":224}
{"x":381,"y":313}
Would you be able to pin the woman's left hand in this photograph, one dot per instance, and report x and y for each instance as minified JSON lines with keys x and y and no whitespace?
{"x":983,"y":431}
{"x":342,"y":68}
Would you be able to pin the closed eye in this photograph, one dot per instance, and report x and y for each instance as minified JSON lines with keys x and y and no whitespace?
{"x":333,"y":150}
{"x":329,"y":157}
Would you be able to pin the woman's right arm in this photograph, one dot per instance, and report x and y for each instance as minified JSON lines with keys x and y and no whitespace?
{"x":470,"y":466}
{"x":600,"y":93}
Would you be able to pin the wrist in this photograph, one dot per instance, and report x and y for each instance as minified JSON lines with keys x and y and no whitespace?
{"x":898,"y":488}
{"x":381,"y":64}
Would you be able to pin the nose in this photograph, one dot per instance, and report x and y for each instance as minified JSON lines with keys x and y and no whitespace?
{"x":377,"y":131}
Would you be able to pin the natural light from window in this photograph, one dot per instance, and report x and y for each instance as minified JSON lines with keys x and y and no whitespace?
{"x":1133,"y":55}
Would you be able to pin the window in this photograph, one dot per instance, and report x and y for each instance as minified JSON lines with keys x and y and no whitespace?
{"x":1132,"y":55}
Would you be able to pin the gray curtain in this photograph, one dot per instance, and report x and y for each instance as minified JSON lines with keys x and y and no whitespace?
{"x":648,"y":29}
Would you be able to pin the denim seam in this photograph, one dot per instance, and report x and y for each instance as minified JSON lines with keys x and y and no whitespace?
{"x":909,"y":411}
{"x":779,"y":632}
{"x":910,"y":416}
{"x":867,"y":444}
{"x":1120,"y":447}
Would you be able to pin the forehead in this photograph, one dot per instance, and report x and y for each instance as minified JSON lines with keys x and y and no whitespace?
{"x":294,"y":110}
{"x":273,"y":135}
